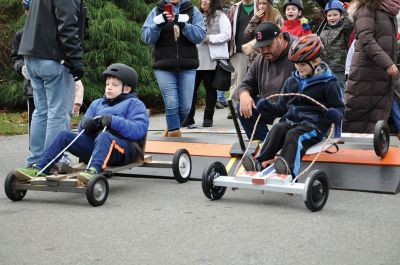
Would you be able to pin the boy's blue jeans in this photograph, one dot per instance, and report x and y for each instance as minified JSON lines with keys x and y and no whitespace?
{"x":177,"y":91}
{"x":53,"y":94}
{"x":106,"y":148}
{"x":396,"y":113}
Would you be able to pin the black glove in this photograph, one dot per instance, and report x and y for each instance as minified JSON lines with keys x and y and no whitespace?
{"x":89,"y":124}
{"x":75,"y":69}
{"x":106,"y":120}
{"x":160,"y":20}
{"x":77,"y":73}
{"x":263,"y":105}
{"x":333,"y":115}
{"x":181,"y":25}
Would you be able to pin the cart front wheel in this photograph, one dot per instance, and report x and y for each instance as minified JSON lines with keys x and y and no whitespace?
{"x":317,"y":190}
{"x":182,"y":165}
{"x":215,"y":170}
{"x":9,"y":188}
{"x":381,"y":138}
{"x":97,"y":190}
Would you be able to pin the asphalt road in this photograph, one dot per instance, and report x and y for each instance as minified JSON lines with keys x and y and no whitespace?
{"x":158,"y":221}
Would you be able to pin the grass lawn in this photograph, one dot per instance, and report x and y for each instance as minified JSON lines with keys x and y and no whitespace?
{"x":14,"y":123}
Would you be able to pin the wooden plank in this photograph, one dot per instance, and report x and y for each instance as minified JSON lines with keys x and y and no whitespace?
{"x":197,"y":149}
{"x":69,"y":182}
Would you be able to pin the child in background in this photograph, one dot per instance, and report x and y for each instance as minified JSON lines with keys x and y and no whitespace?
{"x":303,"y":123}
{"x":123,"y":114}
{"x":265,"y":12}
{"x":78,"y":97}
{"x":295,"y":24}
{"x":335,"y":38}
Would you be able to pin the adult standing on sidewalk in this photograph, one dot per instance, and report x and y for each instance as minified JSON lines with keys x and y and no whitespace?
{"x":373,"y":71}
{"x":52,"y":48}
{"x":213,"y":48}
{"x":174,"y":31}
{"x":239,"y":14}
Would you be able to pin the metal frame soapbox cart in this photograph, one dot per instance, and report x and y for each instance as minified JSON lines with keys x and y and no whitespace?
{"x":97,"y":188}
{"x":315,"y":189}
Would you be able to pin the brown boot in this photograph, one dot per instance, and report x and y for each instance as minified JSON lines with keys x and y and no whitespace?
{"x":176,"y":133}
{"x":165,"y":133}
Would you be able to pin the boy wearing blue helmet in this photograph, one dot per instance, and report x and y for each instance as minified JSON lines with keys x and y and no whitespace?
{"x":125,"y":118}
{"x":335,"y":38}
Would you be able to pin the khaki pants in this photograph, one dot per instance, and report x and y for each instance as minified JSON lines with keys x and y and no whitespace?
{"x":239,"y":62}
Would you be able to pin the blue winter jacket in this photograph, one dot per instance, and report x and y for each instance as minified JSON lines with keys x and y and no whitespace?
{"x":322,"y":87}
{"x":195,"y":32}
{"x":129,"y":116}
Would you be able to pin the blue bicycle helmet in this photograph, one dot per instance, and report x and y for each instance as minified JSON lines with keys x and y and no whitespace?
{"x":334,"y":5}
{"x":26,"y":4}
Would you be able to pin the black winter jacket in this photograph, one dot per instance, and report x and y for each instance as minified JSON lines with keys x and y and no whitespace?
{"x":323,"y":87}
{"x":52,"y":31}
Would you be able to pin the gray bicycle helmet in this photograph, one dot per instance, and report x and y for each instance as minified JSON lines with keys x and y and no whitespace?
{"x":125,"y":73}
{"x":297,"y":3}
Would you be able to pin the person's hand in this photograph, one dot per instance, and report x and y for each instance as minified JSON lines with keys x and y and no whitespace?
{"x":206,"y":39}
{"x":181,"y":20}
{"x":264,"y":105}
{"x":162,"y":19}
{"x":260,"y":13}
{"x":333,"y":115}
{"x":24,"y":72}
{"x":246,"y":104}
{"x":392,"y":70}
{"x":106,"y":120}
{"x":89,"y":124}
{"x":76,"y":109}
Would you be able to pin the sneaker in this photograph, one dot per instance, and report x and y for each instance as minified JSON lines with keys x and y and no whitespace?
{"x":251,"y":164}
{"x":207,"y":123}
{"x":225,"y":104}
{"x":84,"y":177}
{"x":219,"y":105}
{"x":281,"y":166}
{"x":25,"y":174}
{"x":187,"y":122}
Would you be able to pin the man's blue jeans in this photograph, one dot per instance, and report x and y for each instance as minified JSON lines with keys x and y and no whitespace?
{"x":248,"y":123}
{"x":396,"y":113}
{"x":177,"y":91}
{"x":53,"y":94}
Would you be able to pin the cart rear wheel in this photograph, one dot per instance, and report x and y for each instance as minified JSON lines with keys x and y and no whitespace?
{"x":215,"y":170}
{"x":317,"y":190}
{"x":9,"y":188}
{"x":381,"y":138}
{"x":182,"y":165}
{"x":97,"y":190}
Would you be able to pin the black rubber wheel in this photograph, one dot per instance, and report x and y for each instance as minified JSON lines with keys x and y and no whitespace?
{"x":213,"y":171}
{"x":9,"y":188}
{"x":381,"y":138}
{"x":317,"y":190}
{"x":97,"y":190}
{"x":182,"y":165}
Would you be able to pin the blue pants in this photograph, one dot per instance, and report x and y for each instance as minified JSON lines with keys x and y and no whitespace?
{"x":396,"y":113}
{"x":177,"y":91}
{"x":53,"y":93}
{"x":221,"y":96}
{"x":248,"y":123}
{"x":106,"y":149}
